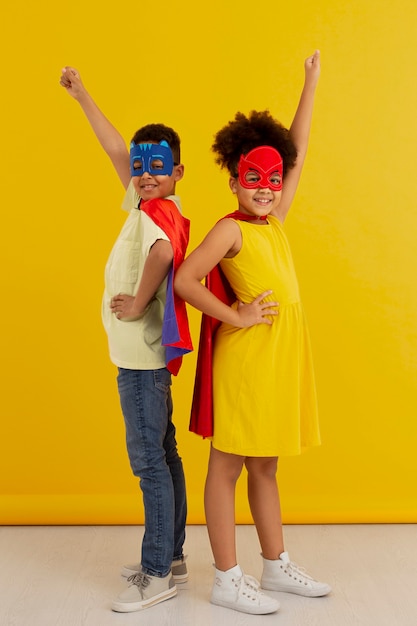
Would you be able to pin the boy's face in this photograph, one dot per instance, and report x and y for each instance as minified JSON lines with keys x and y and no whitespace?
{"x":154,"y":173}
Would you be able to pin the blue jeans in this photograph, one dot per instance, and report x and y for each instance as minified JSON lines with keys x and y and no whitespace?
{"x":145,"y":398}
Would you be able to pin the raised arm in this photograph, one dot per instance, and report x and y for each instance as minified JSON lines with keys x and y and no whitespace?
{"x":109,"y":138}
{"x":300,"y":133}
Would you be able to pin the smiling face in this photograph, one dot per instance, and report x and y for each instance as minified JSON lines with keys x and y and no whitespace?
{"x":258,"y":185}
{"x":261,"y":167}
{"x":153,"y":170}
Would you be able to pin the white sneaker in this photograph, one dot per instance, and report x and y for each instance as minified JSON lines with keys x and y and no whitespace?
{"x":143,"y":592}
{"x":234,"y":590}
{"x":178,"y":570}
{"x":283,"y":575}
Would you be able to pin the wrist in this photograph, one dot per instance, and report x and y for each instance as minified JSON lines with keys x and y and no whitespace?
{"x":310,"y":83}
{"x":235,"y":318}
{"x":83,"y":98}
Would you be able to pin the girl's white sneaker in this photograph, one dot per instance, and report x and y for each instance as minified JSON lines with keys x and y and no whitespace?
{"x":283,"y":575}
{"x":233,"y":590}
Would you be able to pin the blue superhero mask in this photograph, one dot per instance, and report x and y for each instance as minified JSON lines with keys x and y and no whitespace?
{"x":154,"y":158}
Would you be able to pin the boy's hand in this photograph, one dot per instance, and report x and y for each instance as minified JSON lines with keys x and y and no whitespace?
{"x":123,"y":306}
{"x":255,"y":312}
{"x":312,"y":67}
{"x":70,"y":79}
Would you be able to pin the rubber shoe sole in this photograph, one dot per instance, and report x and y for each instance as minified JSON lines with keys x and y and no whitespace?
{"x":251,"y":610}
{"x":130,"y":607}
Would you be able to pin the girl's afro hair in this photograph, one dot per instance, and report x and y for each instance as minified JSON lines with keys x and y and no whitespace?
{"x":243,"y":134}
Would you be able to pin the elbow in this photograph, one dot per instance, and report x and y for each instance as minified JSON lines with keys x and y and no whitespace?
{"x":184,"y":284}
{"x":179,"y":284}
{"x":116,"y":149}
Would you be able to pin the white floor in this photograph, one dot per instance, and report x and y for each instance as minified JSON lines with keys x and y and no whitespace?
{"x":67,"y":576}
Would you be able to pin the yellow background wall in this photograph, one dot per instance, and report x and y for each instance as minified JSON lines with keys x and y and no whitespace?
{"x":352,"y":229}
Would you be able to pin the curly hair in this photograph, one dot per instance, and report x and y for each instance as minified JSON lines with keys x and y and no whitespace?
{"x":244,"y":133}
{"x":157,"y":133}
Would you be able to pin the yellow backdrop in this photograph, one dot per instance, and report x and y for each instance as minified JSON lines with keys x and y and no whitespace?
{"x":352,"y":229}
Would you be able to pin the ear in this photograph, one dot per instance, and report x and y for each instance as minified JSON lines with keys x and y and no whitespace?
{"x":178,"y":172}
{"x":233,"y":184}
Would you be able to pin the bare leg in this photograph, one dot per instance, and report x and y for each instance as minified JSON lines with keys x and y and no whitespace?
{"x":265,"y":504}
{"x":219,"y":498}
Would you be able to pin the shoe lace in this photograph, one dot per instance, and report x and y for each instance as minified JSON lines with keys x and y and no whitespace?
{"x":251,"y":582}
{"x":141,"y":580}
{"x":294,"y":570}
{"x":248,"y":586}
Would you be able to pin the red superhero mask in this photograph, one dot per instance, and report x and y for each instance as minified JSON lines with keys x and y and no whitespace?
{"x":261,"y":167}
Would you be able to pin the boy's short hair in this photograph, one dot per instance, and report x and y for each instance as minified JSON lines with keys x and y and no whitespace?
{"x":156,"y":133}
{"x":244,"y":133}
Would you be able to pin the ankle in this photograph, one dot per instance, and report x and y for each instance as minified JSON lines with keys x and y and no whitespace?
{"x":272,"y":556}
{"x":228,"y":574}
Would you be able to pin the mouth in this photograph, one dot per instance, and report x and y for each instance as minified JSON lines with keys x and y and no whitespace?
{"x":148,"y":187}
{"x":263,"y":201}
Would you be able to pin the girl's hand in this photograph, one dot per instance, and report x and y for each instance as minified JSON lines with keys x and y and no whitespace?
{"x":123,"y":306}
{"x":255,"y":312}
{"x":312,"y":67}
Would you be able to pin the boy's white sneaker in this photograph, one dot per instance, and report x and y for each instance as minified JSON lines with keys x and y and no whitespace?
{"x":178,"y":570}
{"x":143,"y":592}
{"x":233,"y":590}
{"x":283,"y":575}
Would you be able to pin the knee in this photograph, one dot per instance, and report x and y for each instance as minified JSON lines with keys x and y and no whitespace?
{"x":225,"y":467}
{"x":232,"y":474}
{"x":147,"y":463}
{"x":262,"y":467}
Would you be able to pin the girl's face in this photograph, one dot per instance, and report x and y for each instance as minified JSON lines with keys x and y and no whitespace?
{"x":258,"y":185}
{"x":261,"y":167}
{"x":258,"y":201}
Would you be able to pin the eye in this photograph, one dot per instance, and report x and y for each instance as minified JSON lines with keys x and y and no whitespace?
{"x":157,"y":164}
{"x":252,"y":177}
{"x":137,"y":166}
{"x":275,"y":178}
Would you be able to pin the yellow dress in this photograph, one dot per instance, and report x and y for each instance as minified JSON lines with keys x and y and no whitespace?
{"x":263,"y":380}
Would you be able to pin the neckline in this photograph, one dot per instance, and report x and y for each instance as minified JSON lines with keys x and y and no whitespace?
{"x":245,"y":217}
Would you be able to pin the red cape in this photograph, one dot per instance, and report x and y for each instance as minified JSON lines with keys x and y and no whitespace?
{"x":175,"y":330}
{"x":201,"y":420}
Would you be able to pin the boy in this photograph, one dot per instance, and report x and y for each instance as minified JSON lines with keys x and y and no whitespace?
{"x":148,"y":332}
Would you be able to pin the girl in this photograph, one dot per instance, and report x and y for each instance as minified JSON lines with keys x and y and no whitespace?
{"x":263,"y":383}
